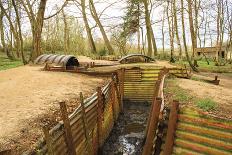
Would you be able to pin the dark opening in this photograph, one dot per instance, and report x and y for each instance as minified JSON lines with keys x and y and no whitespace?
{"x":198,"y":53}
{"x":72,"y":62}
{"x":223,"y":54}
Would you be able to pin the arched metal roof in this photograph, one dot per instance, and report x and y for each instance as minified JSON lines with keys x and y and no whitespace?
{"x":135,"y":55}
{"x":61,"y":60}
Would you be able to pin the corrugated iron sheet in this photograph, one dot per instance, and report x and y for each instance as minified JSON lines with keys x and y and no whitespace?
{"x":199,"y":133}
{"x":139,"y":84}
{"x":60,"y":60}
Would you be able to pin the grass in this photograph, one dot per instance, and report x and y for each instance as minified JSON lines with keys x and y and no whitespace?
{"x":206,"y":104}
{"x":6,"y":63}
{"x":203,"y":66}
{"x":184,"y":97}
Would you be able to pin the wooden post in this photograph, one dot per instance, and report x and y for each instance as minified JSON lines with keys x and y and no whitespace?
{"x":121,"y":88}
{"x":117,"y":92}
{"x":84,"y":121}
{"x":48,"y":140}
{"x":153,"y":123}
{"x":64,"y":67}
{"x":155,"y":95}
{"x":113,"y":89}
{"x":169,"y":142}
{"x":67,"y":129}
{"x":99,"y":118}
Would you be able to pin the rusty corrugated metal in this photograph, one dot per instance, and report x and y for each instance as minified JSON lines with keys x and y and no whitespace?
{"x":127,"y":58}
{"x":200,"y":133}
{"x":60,"y":60}
{"x":139,"y":84}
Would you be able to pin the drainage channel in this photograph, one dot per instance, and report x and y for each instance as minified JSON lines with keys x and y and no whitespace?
{"x":128,"y":133}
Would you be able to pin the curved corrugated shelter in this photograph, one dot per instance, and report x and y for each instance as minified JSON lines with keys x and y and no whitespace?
{"x":131,"y":58}
{"x":60,"y":60}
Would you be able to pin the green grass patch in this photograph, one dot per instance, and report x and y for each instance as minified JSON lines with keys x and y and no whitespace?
{"x":178,"y":93}
{"x":6,"y":63}
{"x":185,"y":97}
{"x":206,"y":104}
{"x":203,"y":66}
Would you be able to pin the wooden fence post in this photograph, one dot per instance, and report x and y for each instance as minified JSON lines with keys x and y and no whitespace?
{"x":117,"y":91}
{"x":113,"y":89}
{"x":99,"y":118}
{"x":67,"y":129}
{"x":121,"y":88}
{"x":147,"y":149}
{"x":48,"y":140}
{"x":169,"y":142}
{"x":155,"y":95}
{"x":84,"y":121}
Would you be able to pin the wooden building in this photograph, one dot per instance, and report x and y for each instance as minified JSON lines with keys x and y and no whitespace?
{"x":210,"y":52}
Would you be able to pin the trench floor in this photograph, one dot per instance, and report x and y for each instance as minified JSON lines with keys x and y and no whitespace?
{"x":127,"y":135}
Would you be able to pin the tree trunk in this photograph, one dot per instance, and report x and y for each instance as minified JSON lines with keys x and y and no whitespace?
{"x":96,"y":18}
{"x":88,"y":30}
{"x":176,"y":30}
{"x":192,"y":31}
{"x":153,"y":42}
{"x":148,"y":27}
{"x":37,"y":31}
{"x":171,"y":32}
{"x":2,"y":33}
{"x":184,"y":38}
{"x":19,"y":33}
{"x":163,"y":44}
{"x":66,"y":33}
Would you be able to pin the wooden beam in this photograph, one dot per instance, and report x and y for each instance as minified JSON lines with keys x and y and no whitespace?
{"x":153,"y":124}
{"x":169,"y":142}
{"x":67,"y":129}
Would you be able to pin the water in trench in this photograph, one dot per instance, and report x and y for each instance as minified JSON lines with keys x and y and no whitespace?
{"x":127,"y":136}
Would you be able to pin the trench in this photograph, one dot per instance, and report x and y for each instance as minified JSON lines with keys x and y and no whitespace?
{"x":128,"y":132}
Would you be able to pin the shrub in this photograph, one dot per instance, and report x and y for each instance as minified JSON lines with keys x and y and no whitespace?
{"x":206,"y":104}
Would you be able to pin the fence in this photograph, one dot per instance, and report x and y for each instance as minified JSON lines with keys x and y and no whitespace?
{"x":86,"y":129}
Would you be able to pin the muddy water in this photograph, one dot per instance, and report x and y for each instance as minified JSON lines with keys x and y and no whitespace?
{"x":127,"y":135}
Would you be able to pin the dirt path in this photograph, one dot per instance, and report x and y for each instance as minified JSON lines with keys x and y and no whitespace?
{"x":27,"y":93}
{"x":222,"y":93}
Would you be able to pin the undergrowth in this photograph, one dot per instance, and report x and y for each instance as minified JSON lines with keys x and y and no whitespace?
{"x":6,"y":63}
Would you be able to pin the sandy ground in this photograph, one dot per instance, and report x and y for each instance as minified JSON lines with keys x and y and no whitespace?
{"x":142,"y":65}
{"x":27,"y":93}
{"x":222,"y":93}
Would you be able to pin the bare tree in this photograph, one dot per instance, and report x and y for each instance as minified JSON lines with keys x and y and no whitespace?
{"x":171,"y":30}
{"x":148,"y":27}
{"x":97,"y":20}
{"x":176,"y":29}
{"x":87,"y":28}
{"x":191,"y":27}
{"x":66,"y":33}
{"x":184,"y":37}
{"x":36,"y":20}
{"x":19,"y":31}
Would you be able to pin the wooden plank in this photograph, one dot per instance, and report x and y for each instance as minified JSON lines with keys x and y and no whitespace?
{"x":100,"y":118}
{"x":48,"y":140}
{"x":152,"y":127}
{"x":67,"y":128}
{"x":86,"y":129}
{"x":169,"y":142}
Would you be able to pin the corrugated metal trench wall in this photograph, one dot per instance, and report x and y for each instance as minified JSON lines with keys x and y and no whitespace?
{"x":139,"y":83}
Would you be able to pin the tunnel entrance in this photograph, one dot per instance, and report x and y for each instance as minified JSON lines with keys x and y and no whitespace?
{"x":128,"y":133}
